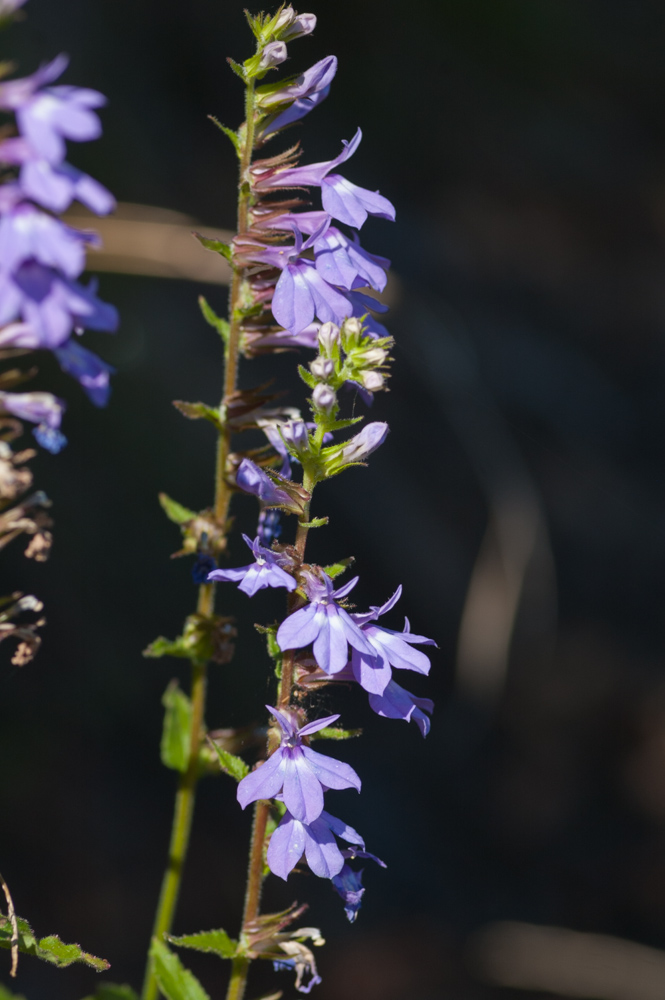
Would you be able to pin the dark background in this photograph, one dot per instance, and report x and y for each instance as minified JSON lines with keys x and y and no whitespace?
{"x":523,"y":144}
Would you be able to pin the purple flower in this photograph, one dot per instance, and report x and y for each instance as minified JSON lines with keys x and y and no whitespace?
{"x":269,"y":527}
{"x":348,"y":882}
{"x":273,"y":54}
{"x":51,"y":305}
{"x":303,"y":94}
{"x":341,"y":199}
{"x":266,"y":571}
{"x":41,"y":408}
{"x":299,"y":773}
{"x":396,"y":703}
{"x":302,"y":24}
{"x":88,"y":369}
{"x":316,"y":840}
{"x":28,"y":234}
{"x":324,"y":624}
{"x":277,"y":492}
{"x":47,"y":117}
{"x":344,"y":262}
{"x":357,"y":448}
{"x":54,"y":186}
{"x":390,"y":649}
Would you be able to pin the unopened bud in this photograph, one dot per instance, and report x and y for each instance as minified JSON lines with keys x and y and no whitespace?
{"x":304,"y":24}
{"x":329,"y":337}
{"x":322,"y":368}
{"x":374,"y":356}
{"x":284,"y":19}
{"x":324,"y":398}
{"x":273,"y":54}
{"x":352,"y":327}
{"x":373,"y":381}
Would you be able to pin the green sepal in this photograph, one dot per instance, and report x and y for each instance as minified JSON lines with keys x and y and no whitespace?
{"x":199,"y":411}
{"x":237,"y":69}
{"x":175,"y":511}
{"x":50,"y":949}
{"x":234,"y":766}
{"x":336,"y":569}
{"x":209,"y":315}
{"x":310,"y":381}
{"x":175,"y":981}
{"x":215,"y":245}
{"x":318,"y":522}
{"x":214,"y":942}
{"x":111,"y":991}
{"x":333,"y":733}
{"x":246,"y":312}
{"x":176,"y":734}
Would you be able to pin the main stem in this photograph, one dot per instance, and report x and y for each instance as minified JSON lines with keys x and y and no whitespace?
{"x":185,"y":796}
{"x":240,"y":966}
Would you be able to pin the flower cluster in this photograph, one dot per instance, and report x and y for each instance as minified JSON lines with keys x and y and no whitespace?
{"x":42,"y":304}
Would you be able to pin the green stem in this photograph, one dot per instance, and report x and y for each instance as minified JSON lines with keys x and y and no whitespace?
{"x":185,"y":796}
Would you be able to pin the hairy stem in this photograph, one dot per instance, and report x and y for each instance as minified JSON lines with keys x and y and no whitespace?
{"x":184,"y":802}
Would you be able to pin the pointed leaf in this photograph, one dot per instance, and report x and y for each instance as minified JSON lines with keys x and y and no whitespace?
{"x":336,"y":569}
{"x":229,"y":763}
{"x":307,"y":377}
{"x":237,"y":69}
{"x":175,"y":981}
{"x":216,"y":942}
{"x":228,"y":132}
{"x":50,"y":949}
{"x":198,"y":411}
{"x":167,"y":647}
{"x":215,"y":245}
{"x":210,"y":316}
{"x":332,"y":733}
{"x":175,"y":511}
{"x":176,"y":734}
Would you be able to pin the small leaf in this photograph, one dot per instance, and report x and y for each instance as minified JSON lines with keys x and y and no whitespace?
{"x":175,"y":981}
{"x":336,"y":569}
{"x":307,"y":377}
{"x":176,"y":734}
{"x":50,"y":949}
{"x":215,"y":245}
{"x":237,"y":69}
{"x":228,"y":132}
{"x":175,"y":511}
{"x":214,"y":320}
{"x":339,"y":425}
{"x":229,"y":763}
{"x":162,"y":646}
{"x":215,"y":942}
{"x":112,"y":991}
{"x":333,"y":733}
{"x":198,"y":411}
{"x":318,"y":522}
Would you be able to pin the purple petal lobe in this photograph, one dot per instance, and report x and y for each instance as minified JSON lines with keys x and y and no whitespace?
{"x":286,"y":846}
{"x":263,"y":783}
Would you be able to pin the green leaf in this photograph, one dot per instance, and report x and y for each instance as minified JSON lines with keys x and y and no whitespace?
{"x":339,"y":425}
{"x":198,"y":411}
{"x":112,"y":991}
{"x":333,"y":733}
{"x":175,"y":511}
{"x":6,"y":995}
{"x":215,"y":942}
{"x":50,"y":949}
{"x":336,"y":569}
{"x":162,"y":646}
{"x":229,"y":763}
{"x":176,"y":734}
{"x":214,"y":320}
{"x":318,"y":522}
{"x":175,"y":981}
{"x":215,"y":245}
{"x":237,"y":69}
{"x":307,"y":377}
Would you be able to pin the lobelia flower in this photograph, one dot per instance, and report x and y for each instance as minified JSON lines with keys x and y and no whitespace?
{"x":41,"y":408}
{"x":298,"y":773}
{"x":27,"y":234}
{"x":54,"y":186}
{"x":325,"y":624}
{"x":302,"y":24}
{"x":348,"y":882}
{"x":316,"y":840}
{"x":359,"y":447}
{"x":266,"y":571}
{"x":273,"y":54}
{"x":273,"y":492}
{"x":341,"y":199}
{"x":89,"y":370}
{"x":46,"y":117}
{"x":390,"y":649}
{"x":396,"y":703}
{"x":302,"y":95}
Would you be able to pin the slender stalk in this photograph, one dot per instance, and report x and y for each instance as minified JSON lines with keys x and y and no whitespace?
{"x":240,"y":966}
{"x":185,"y":796}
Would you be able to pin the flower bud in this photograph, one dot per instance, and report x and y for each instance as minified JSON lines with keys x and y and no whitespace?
{"x":324,"y":398}
{"x":363,"y":444}
{"x":372,"y":381}
{"x":284,"y":19}
{"x":304,"y":24}
{"x":352,"y":327}
{"x":374,"y":356}
{"x":322,"y":368}
{"x":329,"y":337}
{"x":295,"y":434}
{"x":273,"y":54}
